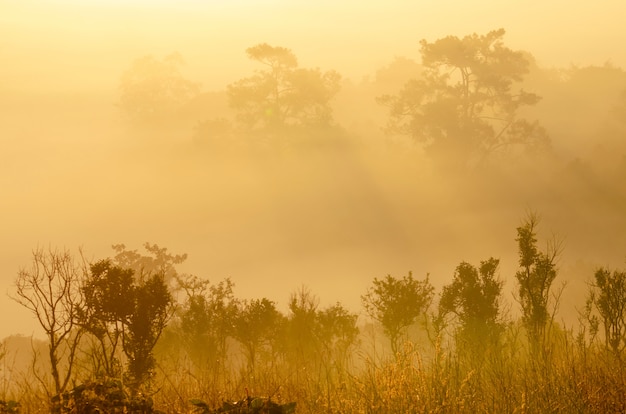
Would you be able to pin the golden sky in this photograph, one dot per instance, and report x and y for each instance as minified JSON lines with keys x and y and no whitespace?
{"x":71,"y":175}
{"x":95,"y":39}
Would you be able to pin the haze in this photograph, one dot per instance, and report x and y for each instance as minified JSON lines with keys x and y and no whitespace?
{"x":74,"y":173}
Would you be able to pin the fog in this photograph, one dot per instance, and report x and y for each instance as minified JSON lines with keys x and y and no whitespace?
{"x":333,"y":212}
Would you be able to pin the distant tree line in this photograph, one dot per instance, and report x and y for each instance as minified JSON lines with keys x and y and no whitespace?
{"x":462,"y":106}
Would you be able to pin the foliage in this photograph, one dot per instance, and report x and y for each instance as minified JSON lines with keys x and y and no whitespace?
{"x":106,"y":290}
{"x":9,"y":407}
{"x":473,"y":296}
{"x":317,"y":340}
{"x":102,"y":396}
{"x":607,"y":296}
{"x":337,"y":328}
{"x":207,"y":318}
{"x":310,"y":349}
{"x":397,"y":303}
{"x":464,"y":106}
{"x":134,"y":305}
{"x":256,"y":323}
{"x":535,"y":276}
{"x":300,"y":343}
{"x":151,"y":301}
{"x":158,"y":260}
{"x":283,"y":94}
{"x":153,"y":91}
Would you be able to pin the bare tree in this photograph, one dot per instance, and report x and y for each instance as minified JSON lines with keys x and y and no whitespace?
{"x":50,"y":289}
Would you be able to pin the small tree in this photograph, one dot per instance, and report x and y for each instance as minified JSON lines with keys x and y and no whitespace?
{"x":302,"y":344}
{"x":608,"y":297}
{"x":106,"y":291}
{"x":151,"y":308}
{"x":397,"y":304}
{"x":473,"y":297}
{"x":120,"y":306}
{"x":337,"y":331}
{"x":535,"y":276}
{"x":256,"y":323}
{"x":50,"y":289}
{"x":206,"y":319}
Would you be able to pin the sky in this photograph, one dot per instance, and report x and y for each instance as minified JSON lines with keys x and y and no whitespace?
{"x":64,"y":181}
{"x":44,"y":39}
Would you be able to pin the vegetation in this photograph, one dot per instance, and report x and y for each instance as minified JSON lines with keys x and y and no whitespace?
{"x":397,"y":304}
{"x":50,"y":290}
{"x":153,"y":91}
{"x":464,"y":106}
{"x":535,"y":277}
{"x":216,"y":347}
{"x":130,"y":333}
{"x":282,"y":94}
{"x":473,"y":298}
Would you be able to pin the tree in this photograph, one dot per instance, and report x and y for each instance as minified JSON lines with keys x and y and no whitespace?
{"x":151,"y":308}
{"x":127,"y":298}
{"x":118,"y":306}
{"x":301,"y":342}
{"x":257,"y":321}
{"x":473,"y":297}
{"x":464,"y":106}
{"x":50,"y":289}
{"x":107,"y":305}
{"x":337,"y":332}
{"x":207,"y":318}
{"x":608,"y":297}
{"x":282,"y":94}
{"x":158,"y":260}
{"x":154,"y":91}
{"x":397,"y":303}
{"x":535,"y":276}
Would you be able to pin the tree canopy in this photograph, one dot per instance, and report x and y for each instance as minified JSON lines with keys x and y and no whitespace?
{"x":473,"y":296}
{"x":154,"y":91}
{"x":282,"y":94}
{"x":397,"y":303}
{"x":465,"y":104}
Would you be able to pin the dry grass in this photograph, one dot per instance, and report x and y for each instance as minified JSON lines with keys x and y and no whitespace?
{"x":566,"y":378}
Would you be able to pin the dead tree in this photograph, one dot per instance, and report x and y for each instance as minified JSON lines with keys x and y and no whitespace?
{"x":50,"y":289}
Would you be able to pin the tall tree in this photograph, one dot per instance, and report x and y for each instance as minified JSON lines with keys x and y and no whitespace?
{"x":397,"y":304}
{"x":465,"y":104}
{"x":50,"y":289}
{"x":283,"y":94}
{"x":536,"y":273}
